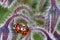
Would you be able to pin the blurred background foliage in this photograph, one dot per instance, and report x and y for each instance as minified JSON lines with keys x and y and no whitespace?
{"x":58,"y":27}
{"x":33,"y":4}
{"x":4,"y":12}
{"x":37,"y":36}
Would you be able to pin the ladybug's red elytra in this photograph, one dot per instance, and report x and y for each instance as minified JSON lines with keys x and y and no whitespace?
{"x":22,"y":29}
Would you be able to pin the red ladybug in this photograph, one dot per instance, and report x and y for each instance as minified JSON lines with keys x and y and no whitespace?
{"x":22,"y":29}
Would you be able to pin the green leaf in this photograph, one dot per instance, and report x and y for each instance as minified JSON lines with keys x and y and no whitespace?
{"x":37,"y":36}
{"x":58,"y":27}
{"x":44,"y":7}
{"x":4,"y":12}
{"x":21,"y":21}
{"x":39,"y":22}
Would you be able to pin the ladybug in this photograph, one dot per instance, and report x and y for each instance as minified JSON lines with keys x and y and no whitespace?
{"x":22,"y":29}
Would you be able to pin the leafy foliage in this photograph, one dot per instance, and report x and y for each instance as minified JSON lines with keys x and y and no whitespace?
{"x":4,"y":12}
{"x":44,"y":7}
{"x":39,"y":22}
{"x":58,"y":27}
{"x":36,"y":36}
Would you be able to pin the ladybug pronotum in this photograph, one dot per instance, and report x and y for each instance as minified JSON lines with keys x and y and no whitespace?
{"x":22,"y":29}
